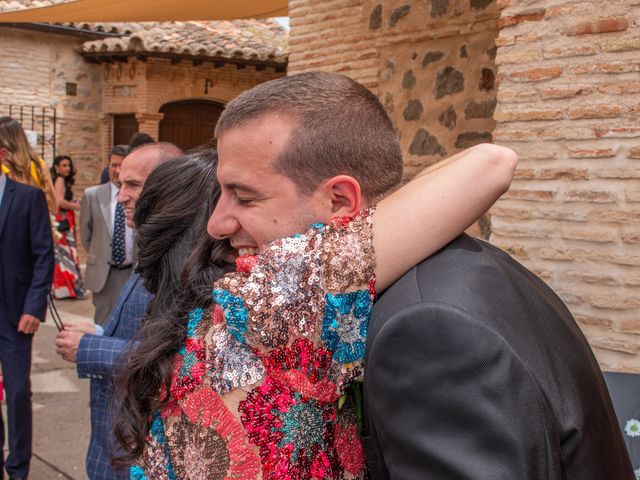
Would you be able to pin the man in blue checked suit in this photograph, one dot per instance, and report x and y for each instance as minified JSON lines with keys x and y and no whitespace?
{"x":97,"y":351}
{"x":97,"y":358}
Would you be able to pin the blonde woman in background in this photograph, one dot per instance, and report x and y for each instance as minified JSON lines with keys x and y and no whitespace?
{"x":22,"y":164}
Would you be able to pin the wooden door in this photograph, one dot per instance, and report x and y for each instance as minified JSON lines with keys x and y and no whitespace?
{"x":189,"y":124}
{"x":123,"y":127}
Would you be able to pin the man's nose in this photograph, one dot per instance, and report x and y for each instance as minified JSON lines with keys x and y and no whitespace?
{"x":122,"y":195}
{"x":222,"y":223}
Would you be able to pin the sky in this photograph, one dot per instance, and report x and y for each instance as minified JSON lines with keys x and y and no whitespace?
{"x":284,"y":21}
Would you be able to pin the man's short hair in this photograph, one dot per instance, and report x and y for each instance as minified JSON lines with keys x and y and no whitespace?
{"x":120,"y":150}
{"x":138,"y":139}
{"x":341,"y":128}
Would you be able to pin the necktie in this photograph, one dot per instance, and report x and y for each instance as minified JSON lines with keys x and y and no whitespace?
{"x":118,"y":244}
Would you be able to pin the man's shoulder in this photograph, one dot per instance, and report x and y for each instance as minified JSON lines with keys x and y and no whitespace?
{"x":96,"y":189}
{"x":463,"y":261}
{"x":23,"y":188}
{"x":467,"y":274}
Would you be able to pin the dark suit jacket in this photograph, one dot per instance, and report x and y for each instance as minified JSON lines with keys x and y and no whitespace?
{"x":98,"y":359}
{"x":26,"y":252}
{"x":475,"y":369}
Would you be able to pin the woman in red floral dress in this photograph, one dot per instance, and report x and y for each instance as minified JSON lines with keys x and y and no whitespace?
{"x":67,"y":279}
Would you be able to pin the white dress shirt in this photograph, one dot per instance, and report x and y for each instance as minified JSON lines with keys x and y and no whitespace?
{"x":128,"y":232}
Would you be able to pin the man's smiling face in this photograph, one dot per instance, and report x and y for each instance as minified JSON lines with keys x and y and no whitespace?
{"x":134,"y":171}
{"x":257,"y":203}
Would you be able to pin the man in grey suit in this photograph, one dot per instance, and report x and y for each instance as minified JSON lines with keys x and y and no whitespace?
{"x":107,"y":239}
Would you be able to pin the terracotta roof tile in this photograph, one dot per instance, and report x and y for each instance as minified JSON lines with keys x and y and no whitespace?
{"x":260,"y":40}
{"x":11,"y":5}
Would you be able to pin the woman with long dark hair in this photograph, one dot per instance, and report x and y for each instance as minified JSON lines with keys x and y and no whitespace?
{"x":67,"y":279}
{"x":178,"y":263}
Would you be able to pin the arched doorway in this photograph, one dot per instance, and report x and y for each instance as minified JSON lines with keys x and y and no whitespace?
{"x":189,"y":123}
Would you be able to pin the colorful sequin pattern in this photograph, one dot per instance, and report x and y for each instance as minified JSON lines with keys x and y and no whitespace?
{"x":256,"y":386}
{"x":156,"y":461}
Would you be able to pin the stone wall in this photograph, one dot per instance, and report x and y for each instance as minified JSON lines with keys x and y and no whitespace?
{"x":568,"y":99}
{"x":143,"y":87}
{"x":568,"y":103}
{"x":36,"y":69}
{"x":430,"y":63}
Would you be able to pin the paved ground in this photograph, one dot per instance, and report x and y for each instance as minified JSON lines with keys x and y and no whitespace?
{"x":60,"y":403}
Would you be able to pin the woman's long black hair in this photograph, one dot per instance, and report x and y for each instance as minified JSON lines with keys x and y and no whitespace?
{"x":70,"y":179}
{"x":178,"y":262}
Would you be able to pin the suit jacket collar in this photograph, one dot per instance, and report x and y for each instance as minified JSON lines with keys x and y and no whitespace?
{"x":104,"y":201}
{"x":5,"y":206}
{"x":114,"y":319}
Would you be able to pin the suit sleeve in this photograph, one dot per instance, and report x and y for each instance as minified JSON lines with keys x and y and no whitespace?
{"x":449,"y":400}
{"x":99,"y":356}
{"x":42,"y":254}
{"x":86,"y":221}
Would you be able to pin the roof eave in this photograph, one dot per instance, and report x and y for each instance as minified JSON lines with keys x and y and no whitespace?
{"x":218,"y":61}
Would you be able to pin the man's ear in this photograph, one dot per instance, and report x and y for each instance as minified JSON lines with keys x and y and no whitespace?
{"x":3,"y":153}
{"x":345,"y":195}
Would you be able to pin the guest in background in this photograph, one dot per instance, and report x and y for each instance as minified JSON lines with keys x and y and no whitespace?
{"x":26,"y":271}
{"x":22,"y":164}
{"x":67,"y":279}
{"x":136,"y":140}
{"x":107,"y":240}
{"x":119,"y":151}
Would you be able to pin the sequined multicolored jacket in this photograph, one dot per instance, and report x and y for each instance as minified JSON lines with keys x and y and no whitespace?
{"x":256,"y":387}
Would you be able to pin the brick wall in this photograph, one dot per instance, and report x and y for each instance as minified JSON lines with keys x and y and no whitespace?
{"x":568,"y":99}
{"x":568,"y":103}
{"x":36,"y":68}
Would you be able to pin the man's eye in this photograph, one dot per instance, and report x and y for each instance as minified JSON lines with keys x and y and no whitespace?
{"x":244,"y":201}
